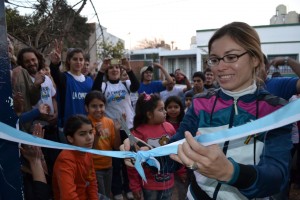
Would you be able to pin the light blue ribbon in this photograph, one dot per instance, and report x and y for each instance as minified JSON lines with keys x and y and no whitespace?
{"x":286,"y":115}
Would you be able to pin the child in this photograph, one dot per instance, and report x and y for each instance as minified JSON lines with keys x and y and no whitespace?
{"x":118,"y":102}
{"x":74,"y":174}
{"x":150,"y":126}
{"x":175,"y":114}
{"x":188,"y":100}
{"x":175,"y":111}
{"x":105,"y":139}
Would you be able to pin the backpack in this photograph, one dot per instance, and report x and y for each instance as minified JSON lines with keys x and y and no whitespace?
{"x":124,"y":83}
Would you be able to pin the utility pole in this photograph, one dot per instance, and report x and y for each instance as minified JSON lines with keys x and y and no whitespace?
{"x":10,"y":176}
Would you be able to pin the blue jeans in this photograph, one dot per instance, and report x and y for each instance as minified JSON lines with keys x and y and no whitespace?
{"x":157,"y":194}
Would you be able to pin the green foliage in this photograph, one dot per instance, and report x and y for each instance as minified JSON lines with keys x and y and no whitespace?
{"x":108,"y":49}
{"x":17,"y":24}
{"x":51,"y":20}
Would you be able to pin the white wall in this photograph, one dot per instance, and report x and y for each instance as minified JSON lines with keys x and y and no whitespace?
{"x":275,"y":40}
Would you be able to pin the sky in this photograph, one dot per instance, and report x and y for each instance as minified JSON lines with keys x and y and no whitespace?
{"x":177,"y":20}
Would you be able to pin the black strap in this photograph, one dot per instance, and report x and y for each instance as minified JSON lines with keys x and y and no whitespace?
{"x":105,"y":87}
{"x":124,"y":83}
{"x":197,"y":192}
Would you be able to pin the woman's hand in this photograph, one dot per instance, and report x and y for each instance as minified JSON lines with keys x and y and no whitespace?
{"x":55,"y":54}
{"x":210,"y":161}
{"x":105,"y":65}
{"x":125,"y":64}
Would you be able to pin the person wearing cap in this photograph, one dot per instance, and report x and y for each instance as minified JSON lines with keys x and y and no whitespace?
{"x":180,"y":77}
{"x":149,"y":86}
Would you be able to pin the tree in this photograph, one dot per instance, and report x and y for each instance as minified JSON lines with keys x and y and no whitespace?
{"x":51,"y":20}
{"x":108,"y":49}
{"x":155,"y":43}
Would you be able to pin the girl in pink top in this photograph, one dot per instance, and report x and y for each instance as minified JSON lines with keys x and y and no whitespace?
{"x":150,"y":125}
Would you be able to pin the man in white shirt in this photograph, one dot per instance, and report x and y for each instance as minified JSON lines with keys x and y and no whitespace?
{"x":175,"y":90}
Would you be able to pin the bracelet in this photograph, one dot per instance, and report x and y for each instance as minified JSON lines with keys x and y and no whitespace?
{"x":286,"y":60}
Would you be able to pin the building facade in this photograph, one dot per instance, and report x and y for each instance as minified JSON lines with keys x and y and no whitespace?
{"x":95,"y":40}
{"x":276,"y":40}
{"x":280,"y":38}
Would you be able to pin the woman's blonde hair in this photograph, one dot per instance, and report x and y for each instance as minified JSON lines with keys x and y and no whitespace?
{"x":246,"y":37}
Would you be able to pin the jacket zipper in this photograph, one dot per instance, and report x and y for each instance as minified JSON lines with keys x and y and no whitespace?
{"x":235,"y":106}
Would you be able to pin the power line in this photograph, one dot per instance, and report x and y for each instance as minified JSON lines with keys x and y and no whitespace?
{"x":6,"y":1}
{"x":77,"y":3}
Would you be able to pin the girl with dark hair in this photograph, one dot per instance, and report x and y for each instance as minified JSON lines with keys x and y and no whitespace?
{"x":175,"y":114}
{"x":175,"y":111}
{"x":150,"y":126}
{"x":72,"y":85}
{"x":74,"y":174}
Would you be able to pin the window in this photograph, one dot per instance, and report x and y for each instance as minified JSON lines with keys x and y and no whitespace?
{"x":137,"y":57}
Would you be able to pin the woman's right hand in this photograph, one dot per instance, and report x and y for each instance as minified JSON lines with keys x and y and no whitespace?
{"x":105,"y":65}
{"x":55,"y":54}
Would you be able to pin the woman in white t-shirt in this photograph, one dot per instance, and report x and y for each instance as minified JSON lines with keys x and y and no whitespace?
{"x":118,"y":102}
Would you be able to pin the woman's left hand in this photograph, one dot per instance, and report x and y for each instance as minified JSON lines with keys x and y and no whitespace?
{"x":125,"y":64}
{"x":210,"y":161}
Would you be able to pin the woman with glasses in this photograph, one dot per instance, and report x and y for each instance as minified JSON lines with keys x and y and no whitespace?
{"x":251,"y":167}
{"x":72,"y":85}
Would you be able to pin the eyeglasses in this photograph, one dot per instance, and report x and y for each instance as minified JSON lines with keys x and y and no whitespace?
{"x":229,"y":58}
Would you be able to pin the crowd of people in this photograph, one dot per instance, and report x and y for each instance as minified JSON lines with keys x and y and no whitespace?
{"x":75,"y":107}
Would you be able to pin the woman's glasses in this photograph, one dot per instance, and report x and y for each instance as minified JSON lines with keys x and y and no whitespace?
{"x":229,"y":58}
